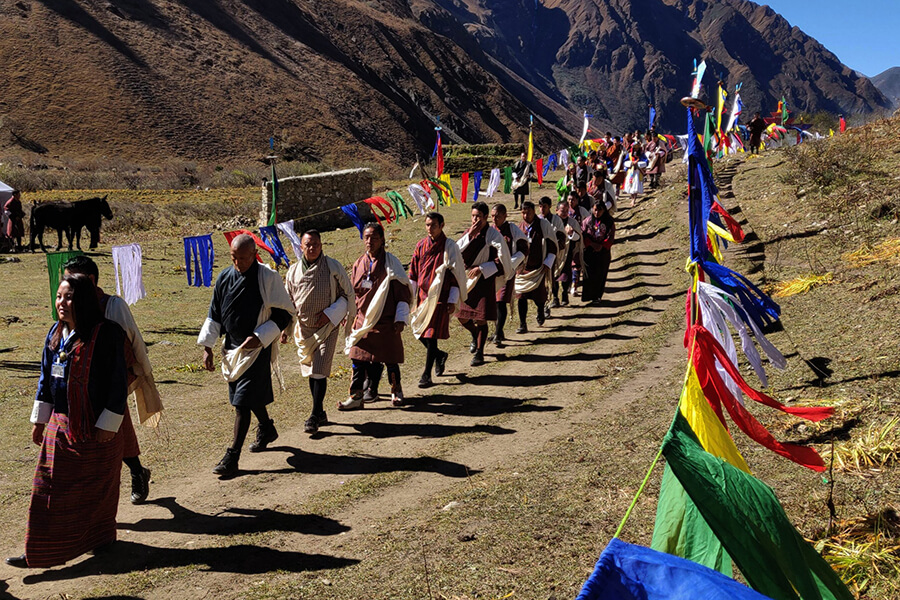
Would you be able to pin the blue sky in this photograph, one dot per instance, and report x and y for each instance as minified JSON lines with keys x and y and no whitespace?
{"x":862,"y":33}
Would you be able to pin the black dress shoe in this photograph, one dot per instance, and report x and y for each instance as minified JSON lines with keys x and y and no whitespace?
{"x":522,"y":329}
{"x":425,"y":382}
{"x":17,"y":561}
{"x":140,"y":486}
{"x":478,"y":359}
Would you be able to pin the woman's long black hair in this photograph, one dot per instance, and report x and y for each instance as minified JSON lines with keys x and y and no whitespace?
{"x":85,"y":308}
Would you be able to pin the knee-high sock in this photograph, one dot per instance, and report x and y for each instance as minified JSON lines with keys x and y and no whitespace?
{"x":523,"y":311}
{"x":502,"y":311}
{"x":472,"y":328}
{"x":262,"y":415}
{"x":374,"y":371}
{"x":481,"y":337}
{"x":430,"y":354}
{"x":318,"y":387}
{"x":134,"y":465}
{"x":393,"y":371}
{"x":357,"y":381}
{"x":241,"y":427}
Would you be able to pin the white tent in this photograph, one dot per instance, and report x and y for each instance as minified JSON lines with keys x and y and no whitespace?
{"x":5,"y":193}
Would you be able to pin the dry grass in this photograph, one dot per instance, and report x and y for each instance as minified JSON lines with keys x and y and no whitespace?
{"x":887,"y":251}
{"x":876,"y":448}
{"x":864,"y":549}
{"x":800,"y":285}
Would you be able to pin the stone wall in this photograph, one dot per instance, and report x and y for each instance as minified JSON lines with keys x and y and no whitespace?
{"x":313,"y":201}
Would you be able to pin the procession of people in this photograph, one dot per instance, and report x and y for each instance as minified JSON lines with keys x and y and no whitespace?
{"x":94,"y":356}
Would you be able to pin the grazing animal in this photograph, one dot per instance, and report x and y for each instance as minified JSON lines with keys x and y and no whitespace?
{"x":69,"y":217}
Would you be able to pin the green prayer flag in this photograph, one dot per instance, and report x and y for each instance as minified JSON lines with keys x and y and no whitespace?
{"x":274,"y":189}
{"x":507,"y":180}
{"x":562,"y":189}
{"x":399,"y":204}
{"x":680,"y":529}
{"x":574,"y":152}
{"x":747,"y":518}
{"x":55,"y":262}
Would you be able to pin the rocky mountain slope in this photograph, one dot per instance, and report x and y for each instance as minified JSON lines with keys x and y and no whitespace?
{"x":614,"y":57}
{"x":361,"y":80}
{"x":889,"y":83}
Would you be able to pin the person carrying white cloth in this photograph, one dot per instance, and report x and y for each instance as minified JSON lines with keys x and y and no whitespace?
{"x":250,"y":308}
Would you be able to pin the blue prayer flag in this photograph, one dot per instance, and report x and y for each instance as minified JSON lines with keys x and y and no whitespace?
{"x":629,"y":572}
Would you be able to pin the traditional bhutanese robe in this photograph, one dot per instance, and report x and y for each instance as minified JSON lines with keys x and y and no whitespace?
{"x":245,"y":304}
{"x":75,"y":495}
{"x":598,"y":237}
{"x":574,"y":247}
{"x":315,"y":288}
{"x":383,"y":294}
{"x":428,"y":257}
{"x":486,"y":250}
{"x":517,"y":246}
{"x":542,"y":250}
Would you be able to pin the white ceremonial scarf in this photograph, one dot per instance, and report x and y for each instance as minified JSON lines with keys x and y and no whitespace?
{"x":517,"y":258}
{"x":528,"y":282}
{"x":235,"y":362}
{"x":492,"y":238}
{"x":395,"y":272}
{"x":494,"y":183}
{"x":453,"y":262}
{"x":337,"y":277}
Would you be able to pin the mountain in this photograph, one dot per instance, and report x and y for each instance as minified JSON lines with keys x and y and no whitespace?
{"x":357,"y":81}
{"x":614,"y":57}
{"x":889,"y":84}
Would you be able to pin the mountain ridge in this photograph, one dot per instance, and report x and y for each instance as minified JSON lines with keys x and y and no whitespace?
{"x":356,"y":82}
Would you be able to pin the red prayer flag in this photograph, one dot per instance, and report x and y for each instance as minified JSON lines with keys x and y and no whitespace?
{"x":465,"y":186}
{"x":539,"y":167}
{"x":439,"y":168}
{"x":843,"y":125}
{"x":230,"y":235}
{"x":384,"y":207}
{"x":706,"y":351}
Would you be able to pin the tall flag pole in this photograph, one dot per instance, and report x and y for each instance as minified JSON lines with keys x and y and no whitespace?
{"x":438,"y":150}
{"x":273,"y":183}
{"x":530,"y":137}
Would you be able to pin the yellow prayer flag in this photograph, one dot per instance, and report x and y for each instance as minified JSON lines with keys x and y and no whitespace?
{"x":452,"y":197}
{"x":706,"y":425}
{"x":530,"y":146}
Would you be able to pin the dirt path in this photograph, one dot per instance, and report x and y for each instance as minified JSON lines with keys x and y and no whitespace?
{"x":211,"y":537}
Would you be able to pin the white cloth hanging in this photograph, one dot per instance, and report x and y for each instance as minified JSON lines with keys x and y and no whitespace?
{"x":494,"y":183}
{"x":563,"y":159}
{"x":129,"y":272}
{"x":287,"y":228}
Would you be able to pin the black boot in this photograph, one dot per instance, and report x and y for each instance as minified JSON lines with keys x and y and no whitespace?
{"x":265,"y":435}
{"x":228,"y":466}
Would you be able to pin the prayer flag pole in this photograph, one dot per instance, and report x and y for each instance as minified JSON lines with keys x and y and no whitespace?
{"x":274,"y":181}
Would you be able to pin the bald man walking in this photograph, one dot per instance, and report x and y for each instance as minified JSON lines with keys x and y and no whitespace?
{"x":251,"y":308}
